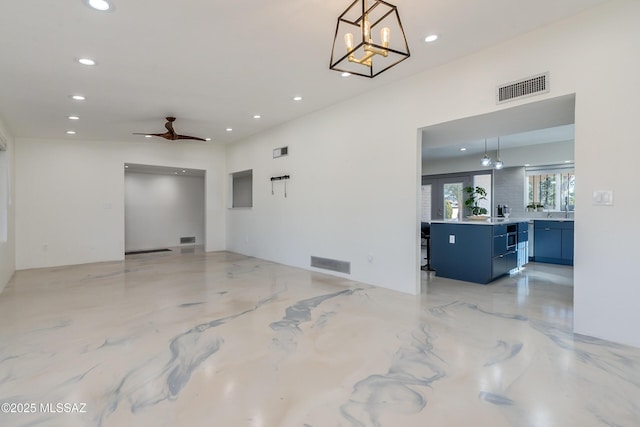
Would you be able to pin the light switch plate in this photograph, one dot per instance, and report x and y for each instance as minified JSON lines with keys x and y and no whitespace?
{"x":602,"y":198}
{"x":452,"y":238}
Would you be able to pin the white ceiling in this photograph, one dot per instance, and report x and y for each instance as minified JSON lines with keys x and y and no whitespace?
{"x":214,"y":65}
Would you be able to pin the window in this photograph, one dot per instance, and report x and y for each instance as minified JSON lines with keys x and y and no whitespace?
{"x":443,"y":195}
{"x":426,"y":203}
{"x":551,"y":188}
{"x":4,"y":191}
{"x":484,"y":181}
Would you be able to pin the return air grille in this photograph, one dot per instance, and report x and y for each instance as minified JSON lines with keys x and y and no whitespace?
{"x":184,"y":240}
{"x":535,"y":85}
{"x":331,"y":264}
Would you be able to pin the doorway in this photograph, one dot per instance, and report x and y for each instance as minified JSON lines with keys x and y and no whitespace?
{"x":164,"y":207}
{"x":535,"y":134}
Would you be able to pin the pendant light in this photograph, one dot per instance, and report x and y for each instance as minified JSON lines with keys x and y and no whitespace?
{"x":369,"y":39}
{"x":486,"y":160}
{"x":498,"y":164}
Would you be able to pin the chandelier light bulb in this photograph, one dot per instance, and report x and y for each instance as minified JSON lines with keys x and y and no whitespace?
{"x":348,"y":41}
{"x":385,"y":33}
{"x":367,"y":31}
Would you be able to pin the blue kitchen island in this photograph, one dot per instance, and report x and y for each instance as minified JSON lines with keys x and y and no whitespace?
{"x":478,"y":251}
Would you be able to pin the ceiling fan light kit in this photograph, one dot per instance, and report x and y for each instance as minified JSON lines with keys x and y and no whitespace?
{"x":170,"y":134}
{"x":369,"y":39}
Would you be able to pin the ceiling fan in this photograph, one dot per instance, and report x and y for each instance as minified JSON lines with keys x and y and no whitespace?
{"x":171,"y":134}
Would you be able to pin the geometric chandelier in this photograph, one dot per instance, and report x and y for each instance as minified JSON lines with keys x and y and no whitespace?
{"x":368,"y":39}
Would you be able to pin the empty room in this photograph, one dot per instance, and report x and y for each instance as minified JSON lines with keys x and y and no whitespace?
{"x":318,"y":214}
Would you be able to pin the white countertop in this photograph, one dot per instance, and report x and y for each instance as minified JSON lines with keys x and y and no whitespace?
{"x":552,"y":219}
{"x":497,"y":220}
{"x":488,"y":221}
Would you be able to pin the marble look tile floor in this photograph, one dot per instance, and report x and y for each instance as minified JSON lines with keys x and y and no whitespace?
{"x":220,"y":339}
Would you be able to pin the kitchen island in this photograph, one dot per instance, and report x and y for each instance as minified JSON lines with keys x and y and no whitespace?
{"x":478,"y":251}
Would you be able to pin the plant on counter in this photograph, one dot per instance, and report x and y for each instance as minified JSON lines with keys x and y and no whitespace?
{"x":539,"y":206}
{"x":475,"y":194}
{"x":531,"y":207}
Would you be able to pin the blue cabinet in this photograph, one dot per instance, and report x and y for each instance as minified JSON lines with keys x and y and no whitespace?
{"x":462,"y":251}
{"x":566,"y":249}
{"x":523,"y":244}
{"x":548,"y":242}
{"x":554,"y":242}
{"x":505,"y":239}
{"x":476,"y":253}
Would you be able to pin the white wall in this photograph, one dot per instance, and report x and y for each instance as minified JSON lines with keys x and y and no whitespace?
{"x":347,"y":197}
{"x":7,"y":240}
{"x":70,"y":196}
{"x":355,"y":173}
{"x":160,"y":209}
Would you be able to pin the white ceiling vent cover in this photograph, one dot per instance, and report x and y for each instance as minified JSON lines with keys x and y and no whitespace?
{"x":530,"y":86}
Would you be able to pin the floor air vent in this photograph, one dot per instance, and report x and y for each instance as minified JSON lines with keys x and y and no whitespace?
{"x":184,"y":240}
{"x":535,"y":85}
{"x":331,"y":264}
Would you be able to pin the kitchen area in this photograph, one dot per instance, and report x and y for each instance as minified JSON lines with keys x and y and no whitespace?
{"x":481,"y":251}
{"x":524,"y":211}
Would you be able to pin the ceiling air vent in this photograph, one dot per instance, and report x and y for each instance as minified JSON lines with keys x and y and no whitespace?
{"x":535,"y":85}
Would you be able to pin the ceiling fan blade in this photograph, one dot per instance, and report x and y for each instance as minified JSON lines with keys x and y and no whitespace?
{"x":171,"y":133}
{"x":150,"y":134}
{"x":195,"y":138}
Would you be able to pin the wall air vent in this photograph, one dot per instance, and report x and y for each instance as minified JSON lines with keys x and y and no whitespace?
{"x":531,"y":86}
{"x":184,"y":240}
{"x":331,"y":264}
{"x":280,"y":152}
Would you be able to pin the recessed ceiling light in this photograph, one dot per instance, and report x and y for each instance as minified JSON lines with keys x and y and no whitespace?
{"x":431,"y":38}
{"x":208,"y":139}
{"x":568,"y":161}
{"x":345,"y":74}
{"x":148,"y":136}
{"x":184,"y":171}
{"x":527,"y":165}
{"x":78,"y":97}
{"x":71,"y":132}
{"x":229,"y":129}
{"x":297,"y":98}
{"x":86,"y":61}
{"x":257,"y":116}
{"x":175,"y":173}
{"x":463,"y":149}
{"x":101,"y":5}
{"x":126,"y":166}
{"x":73,"y":118}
